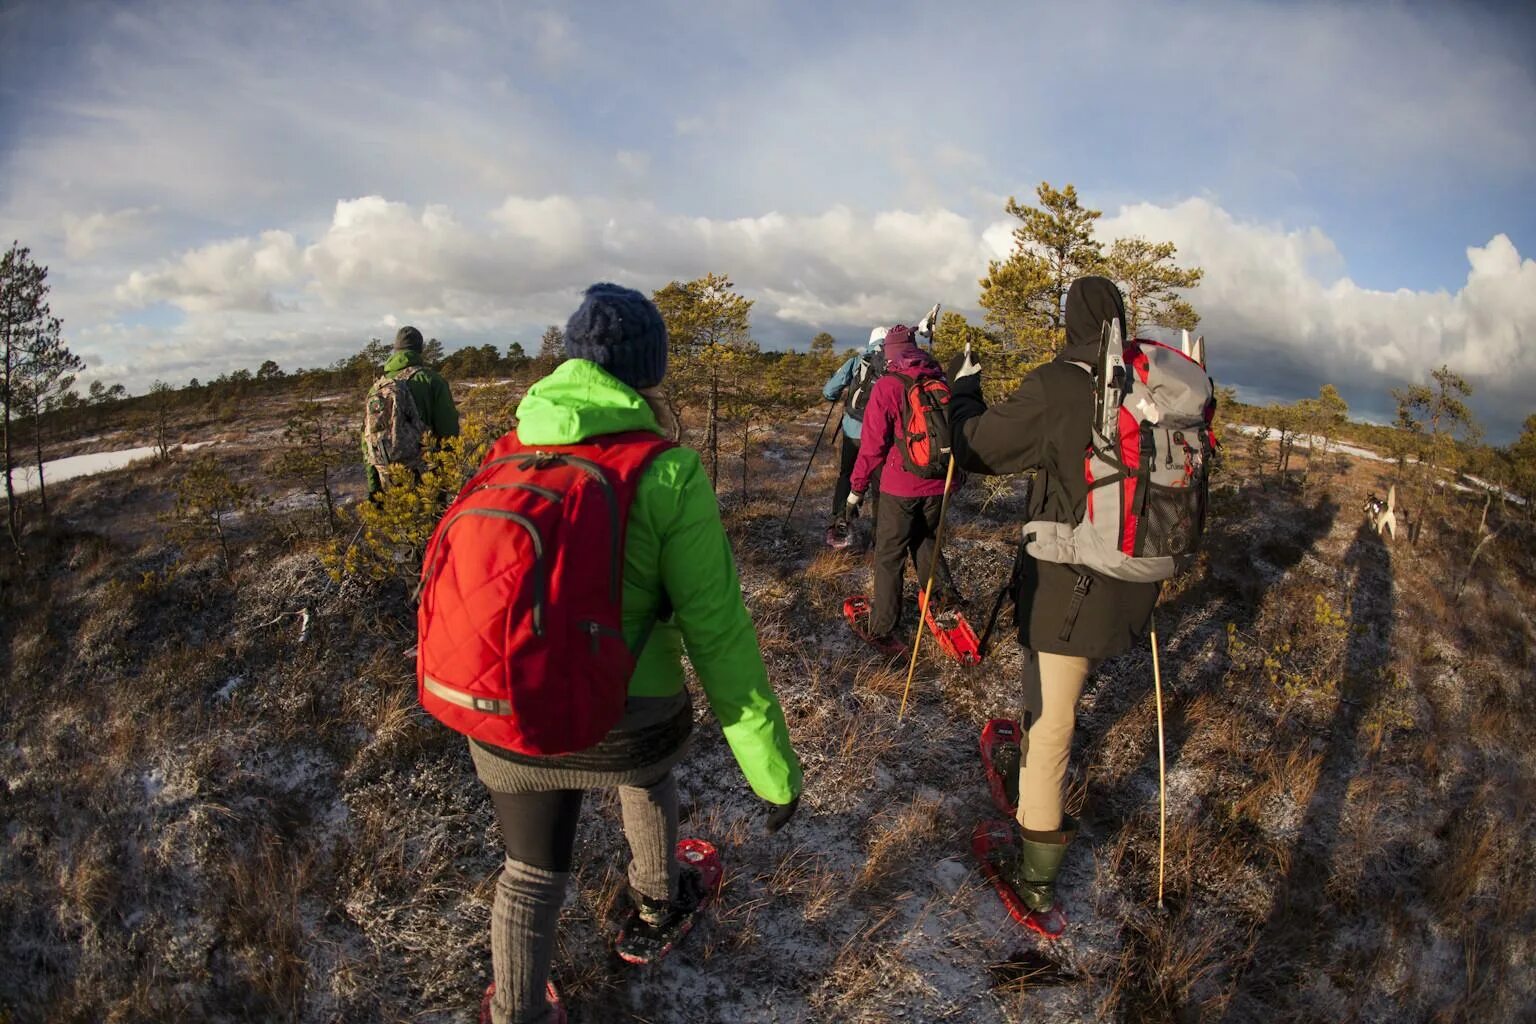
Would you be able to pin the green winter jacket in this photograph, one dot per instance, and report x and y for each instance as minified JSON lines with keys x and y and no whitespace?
{"x":676,"y":544}
{"x":434,"y":400}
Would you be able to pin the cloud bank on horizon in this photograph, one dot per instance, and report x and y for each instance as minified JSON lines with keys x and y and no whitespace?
{"x":213,"y":186}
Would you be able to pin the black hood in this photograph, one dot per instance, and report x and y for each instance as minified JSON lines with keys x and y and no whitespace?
{"x":1090,"y":302}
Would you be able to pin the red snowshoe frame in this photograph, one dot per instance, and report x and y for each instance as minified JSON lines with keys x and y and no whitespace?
{"x":995,"y":840}
{"x":954,"y":634}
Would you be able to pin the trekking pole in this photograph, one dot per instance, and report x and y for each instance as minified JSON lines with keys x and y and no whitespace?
{"x":815,"y":448}
{"x":933,"y":565}
{"x":1162,"y":768}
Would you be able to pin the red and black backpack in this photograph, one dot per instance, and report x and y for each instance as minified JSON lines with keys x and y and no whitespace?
{"x":1147,"y":467}
{"x":521,"y":641}
{"x":924,"y":428}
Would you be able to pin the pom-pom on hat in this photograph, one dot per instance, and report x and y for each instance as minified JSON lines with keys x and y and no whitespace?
{"x":620,"y":330}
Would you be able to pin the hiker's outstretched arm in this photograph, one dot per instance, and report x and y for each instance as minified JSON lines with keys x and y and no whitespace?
{"x":839,"y":381}
{"x":1010,"y":437}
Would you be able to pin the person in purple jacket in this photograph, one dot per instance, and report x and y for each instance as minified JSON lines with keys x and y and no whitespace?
{"x":908,"y":512}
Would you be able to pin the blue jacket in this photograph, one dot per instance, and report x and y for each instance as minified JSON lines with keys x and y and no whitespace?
{"x":837,"y":386}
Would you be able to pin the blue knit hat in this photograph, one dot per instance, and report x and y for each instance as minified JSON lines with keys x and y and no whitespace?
{"x":620,"y":330}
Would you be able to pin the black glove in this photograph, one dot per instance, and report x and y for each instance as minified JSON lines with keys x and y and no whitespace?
{"x":779,"y":814}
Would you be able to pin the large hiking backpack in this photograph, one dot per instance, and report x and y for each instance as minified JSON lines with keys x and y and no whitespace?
{"x":923,"y":433}
{"x":1147,"y":467}
{"x":870,"y":369}
{"x":521,"y":641}
{"x":393,"y":427}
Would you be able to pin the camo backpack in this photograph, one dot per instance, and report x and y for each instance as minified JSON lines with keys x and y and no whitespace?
{"x":392,"y":425}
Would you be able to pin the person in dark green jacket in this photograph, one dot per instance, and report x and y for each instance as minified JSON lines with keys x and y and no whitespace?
{"x":433,"y":398}
{"x":676,"y":555}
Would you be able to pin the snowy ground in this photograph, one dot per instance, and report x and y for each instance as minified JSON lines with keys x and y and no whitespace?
{"x":90,"y":464}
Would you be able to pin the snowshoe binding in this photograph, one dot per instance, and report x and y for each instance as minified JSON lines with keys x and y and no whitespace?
{"x":1000,"y":756}
{"x":856,"y":611}
{"x":551,"y":994}
{"x":839,"y":534}
{"x":997,"y":848}
{"x":653,"y":927}
{"x":954,"y":634}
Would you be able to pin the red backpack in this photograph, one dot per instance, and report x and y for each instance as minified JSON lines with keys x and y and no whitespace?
{"x":521,"y":641}
{"x":924,"y":434}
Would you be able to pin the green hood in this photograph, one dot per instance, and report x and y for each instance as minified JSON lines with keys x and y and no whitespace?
{"x":400,"y":360}
{"x":581,"y":400}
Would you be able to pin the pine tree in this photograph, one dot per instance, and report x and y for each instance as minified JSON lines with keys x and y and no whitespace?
{"x":551,"y":349}
{"x":1434,"y":417}
{"x":1025,"y":295}
{"x":1150,"y":282}
{"x":824,"y":351}
{"x":707,"y":322}
{"x":24,"y":315}
{"x":1522,"y":459}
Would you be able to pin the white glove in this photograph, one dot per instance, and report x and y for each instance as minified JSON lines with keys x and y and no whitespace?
{"x":929,"y":322}
{"x":855,"y":499}
{"x":968,"y":365}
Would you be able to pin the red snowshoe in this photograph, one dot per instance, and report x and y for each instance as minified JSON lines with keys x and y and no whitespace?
{"x":995,"y":843}
{"x":856,"y":611}
{"x":651,"y":930}
{"x":1000,"y":759}
{"x":839,"y":534}
{"x":556,"y":1008}
{"x":954,"y":634}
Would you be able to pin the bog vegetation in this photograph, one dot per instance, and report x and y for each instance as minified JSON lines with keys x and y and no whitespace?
{"x":222,"y":801}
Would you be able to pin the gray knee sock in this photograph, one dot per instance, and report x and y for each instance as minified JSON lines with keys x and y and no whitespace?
{"x":650,"y":825}
{"x":524,"y":917}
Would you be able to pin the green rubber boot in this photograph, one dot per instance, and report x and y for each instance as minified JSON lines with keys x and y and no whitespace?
{"x":1033,"y":873}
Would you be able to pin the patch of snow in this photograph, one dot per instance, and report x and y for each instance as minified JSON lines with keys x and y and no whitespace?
{"x":89,"y":465}
{"x":228,"y":689}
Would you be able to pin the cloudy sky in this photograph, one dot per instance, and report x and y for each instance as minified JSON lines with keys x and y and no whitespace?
{"x":217,"y":183}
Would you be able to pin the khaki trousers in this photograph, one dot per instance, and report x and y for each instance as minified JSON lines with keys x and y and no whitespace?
{"x":1052,"y":684}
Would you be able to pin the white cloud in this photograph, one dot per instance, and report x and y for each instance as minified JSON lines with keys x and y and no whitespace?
{"x":239,"y":274}
{"x":1272,"y":302}
{"x":85,"y":235}
{"x":1277,"y":311}
{"x":634,"y":162}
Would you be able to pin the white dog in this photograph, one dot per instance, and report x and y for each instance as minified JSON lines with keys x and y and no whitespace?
{"x":1383,"y":514}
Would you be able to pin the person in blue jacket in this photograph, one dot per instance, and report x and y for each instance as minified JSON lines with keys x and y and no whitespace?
{"x":852,"y":383}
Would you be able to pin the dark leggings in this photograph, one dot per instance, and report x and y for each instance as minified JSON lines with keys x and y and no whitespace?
{"x":539,"y":828}
{"x":848,"y":455}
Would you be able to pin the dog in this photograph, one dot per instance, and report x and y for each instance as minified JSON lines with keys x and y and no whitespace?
{"x":1382,"y":515}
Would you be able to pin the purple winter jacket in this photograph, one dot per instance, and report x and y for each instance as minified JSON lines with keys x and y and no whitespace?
{"x":878,"y":444}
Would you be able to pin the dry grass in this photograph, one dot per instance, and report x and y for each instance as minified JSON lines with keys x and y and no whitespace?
{"x":209,"y":817}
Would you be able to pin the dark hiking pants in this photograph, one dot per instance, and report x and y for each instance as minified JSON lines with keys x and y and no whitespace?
{"x":848,"y":454}
{"x":904,"y":529}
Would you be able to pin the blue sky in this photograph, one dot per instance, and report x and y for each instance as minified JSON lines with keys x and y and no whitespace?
{"x":213,"y":184}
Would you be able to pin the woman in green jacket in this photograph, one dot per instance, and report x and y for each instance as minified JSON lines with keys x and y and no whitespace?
{"x":677,"y":556}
